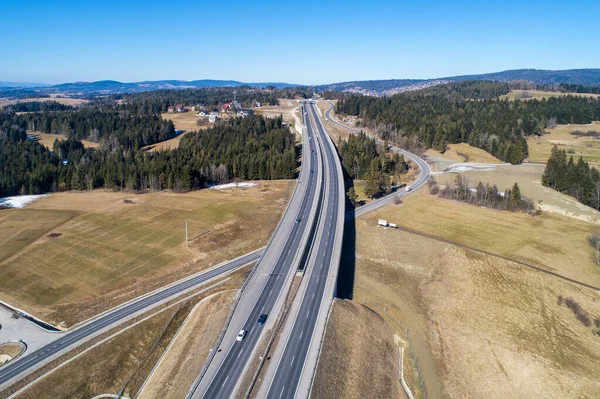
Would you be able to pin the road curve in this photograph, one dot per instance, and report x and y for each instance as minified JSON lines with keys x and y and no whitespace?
{"x":424,"y":172}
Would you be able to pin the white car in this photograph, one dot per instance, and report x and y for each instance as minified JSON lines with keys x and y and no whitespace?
{"x":241,"y":335}
{"x":408,"y":188}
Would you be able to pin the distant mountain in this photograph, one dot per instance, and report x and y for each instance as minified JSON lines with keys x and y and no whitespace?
{"x":378,"y":85}
{"x":586,"y":77}
{"x":4,"y":84}
{"x":112,"y":86}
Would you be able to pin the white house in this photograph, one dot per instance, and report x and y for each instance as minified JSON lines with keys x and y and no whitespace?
{"x":213,"y":117}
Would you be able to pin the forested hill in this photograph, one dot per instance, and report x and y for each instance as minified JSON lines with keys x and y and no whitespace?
{"x":246,"y":148}
{"x":497,"y":126}
{"x":584,"y":77}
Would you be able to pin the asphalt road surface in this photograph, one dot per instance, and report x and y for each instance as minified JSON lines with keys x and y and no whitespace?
{"x":291,"y":364}
{"x":226,"y":379}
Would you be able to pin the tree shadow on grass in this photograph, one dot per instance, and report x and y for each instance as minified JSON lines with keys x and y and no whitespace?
{"x":346,"y":275}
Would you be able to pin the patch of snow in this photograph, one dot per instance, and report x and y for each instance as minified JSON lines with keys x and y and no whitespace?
{"x":466,"y":167}
{"x":20,"y":201}
{"x":233,"y":185}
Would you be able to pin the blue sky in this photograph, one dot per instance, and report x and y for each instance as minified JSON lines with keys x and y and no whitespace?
{"x":306,"y":42}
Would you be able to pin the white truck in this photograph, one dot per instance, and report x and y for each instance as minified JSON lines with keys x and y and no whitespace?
{"x":382,"y":222}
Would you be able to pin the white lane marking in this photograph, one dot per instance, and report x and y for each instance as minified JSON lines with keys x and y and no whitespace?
{"x":318,"y":278}
{"x":281,"y":394}
{"x":239,"y":354}
{"x":301,"y":334}
{"x":270,"y":292}
{"x":226,"y":378}
{"x":293,"y":358}
{"x":308,"y":314}
{"x":313,"y":297}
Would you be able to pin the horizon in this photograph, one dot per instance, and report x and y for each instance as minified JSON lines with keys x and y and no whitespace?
{"x":282,"y":42}
{"x":286,"y":82}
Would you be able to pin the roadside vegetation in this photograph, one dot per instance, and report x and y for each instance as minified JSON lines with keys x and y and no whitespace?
{"x":359,"y":356}
{"x":364,"y":160}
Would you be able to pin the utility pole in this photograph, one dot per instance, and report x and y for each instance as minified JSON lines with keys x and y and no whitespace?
{"x":186,"y":231}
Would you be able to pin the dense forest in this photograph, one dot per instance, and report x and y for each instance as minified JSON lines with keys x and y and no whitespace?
{"x":415,"y":119}
{"x":363,"y":159}
{"x":246,"y":148}
{"x":37,"y":106}
{"x":576,"y":179}
{"x":109,"y":128}
{"x":475,"y":90}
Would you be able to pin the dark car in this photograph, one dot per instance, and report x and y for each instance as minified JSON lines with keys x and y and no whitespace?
{"x":312,"y":150}
{"x":262,"y":318}
{"x":298,"y":220}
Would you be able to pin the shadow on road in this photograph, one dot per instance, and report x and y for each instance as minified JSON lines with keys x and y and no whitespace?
{"x":345,"y":283}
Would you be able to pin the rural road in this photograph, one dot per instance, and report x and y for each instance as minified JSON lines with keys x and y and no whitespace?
{"x":424,"y":172}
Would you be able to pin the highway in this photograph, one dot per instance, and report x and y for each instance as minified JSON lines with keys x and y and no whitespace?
{"x":227,"y":369}
{"x":315,"y":298}
{"x":15,"y":370}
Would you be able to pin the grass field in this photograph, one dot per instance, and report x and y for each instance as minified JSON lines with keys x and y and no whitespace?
{"x":538,"y":95}
{"x":463,"y":152}
{"x":165,"y":145}
{"x":108,"y":247}
{"x":66,"y":101}
{"x":528,"y":176}
{"x":479,"y":323}
{"x":284,"y":109}
{"x":359,"y":357}
{"x":47,"y":140}
{"x":125,"y":360}
{"x":588,"y":147}
{"x":494,"y":231}
{"x":186,"y":120}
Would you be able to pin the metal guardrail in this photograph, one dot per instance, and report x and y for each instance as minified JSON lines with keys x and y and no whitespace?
{"x":303,"y":260}
{"x":237,"y":300}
